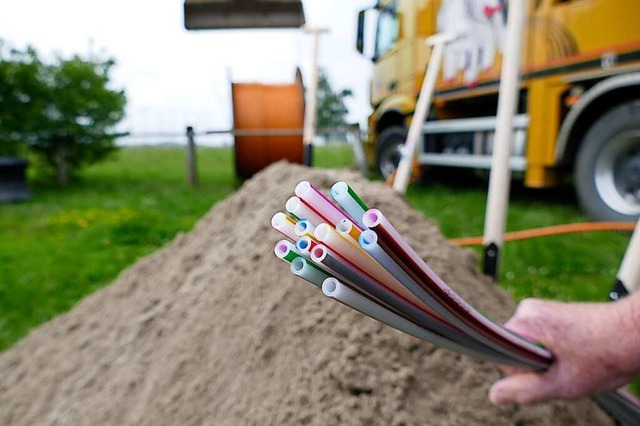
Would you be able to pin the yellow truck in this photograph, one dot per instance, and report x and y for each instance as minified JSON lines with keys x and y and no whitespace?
{"x":579,"y":107}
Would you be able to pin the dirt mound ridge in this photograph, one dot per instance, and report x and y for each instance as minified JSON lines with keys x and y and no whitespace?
{"x":213,"y":329}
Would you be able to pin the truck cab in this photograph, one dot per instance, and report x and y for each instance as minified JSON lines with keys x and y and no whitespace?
{"x":579,"y":109}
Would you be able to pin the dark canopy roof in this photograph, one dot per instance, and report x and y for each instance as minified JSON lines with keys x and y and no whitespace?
{"x":227,"y":14}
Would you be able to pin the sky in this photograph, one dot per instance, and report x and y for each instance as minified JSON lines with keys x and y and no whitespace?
{"x":174,"y":77}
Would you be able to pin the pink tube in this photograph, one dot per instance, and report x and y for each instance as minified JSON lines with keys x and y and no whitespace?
{"x":285,"y":225}
{"x":319,"y":203}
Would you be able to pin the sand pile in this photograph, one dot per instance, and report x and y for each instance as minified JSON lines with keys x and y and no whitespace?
{"x":213,"y":329}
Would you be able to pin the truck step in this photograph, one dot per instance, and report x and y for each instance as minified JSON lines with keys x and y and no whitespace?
{"x":476,"y":124}
{"x":468,"y":143}
{"x":468,"y":161}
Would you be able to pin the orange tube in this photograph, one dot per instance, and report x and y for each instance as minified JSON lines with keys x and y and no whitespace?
{"x":569,"y":228}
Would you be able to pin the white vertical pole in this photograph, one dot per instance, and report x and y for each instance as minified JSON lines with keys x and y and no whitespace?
{"x":628,"y":279}
{"x":401,"y":180}
{"x":311,"y":102}
{"x":498,"y":197}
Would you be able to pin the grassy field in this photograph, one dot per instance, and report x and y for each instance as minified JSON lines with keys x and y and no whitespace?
{"x":579,"y":267}
{"x":64,"y":243}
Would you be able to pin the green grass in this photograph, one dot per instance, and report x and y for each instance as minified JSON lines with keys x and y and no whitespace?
{"x":65,"y":243}
{"x":575,"y":267}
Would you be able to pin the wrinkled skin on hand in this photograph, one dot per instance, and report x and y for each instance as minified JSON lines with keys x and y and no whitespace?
{"x":596,"y":348}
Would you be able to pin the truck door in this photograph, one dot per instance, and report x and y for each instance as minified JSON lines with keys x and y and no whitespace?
{"x":386,"y":78}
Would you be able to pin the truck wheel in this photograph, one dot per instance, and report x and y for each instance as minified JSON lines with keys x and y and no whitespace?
{"x":388,"y":151}
{"x":607,"y":177}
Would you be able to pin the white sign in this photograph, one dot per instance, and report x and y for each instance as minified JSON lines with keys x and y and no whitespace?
{"x":480,"y":26}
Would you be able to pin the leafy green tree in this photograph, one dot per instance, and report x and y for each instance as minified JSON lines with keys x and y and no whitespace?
{"x":22,"y":95}
{"x":332,"y":111}
{"x":64,"y":112}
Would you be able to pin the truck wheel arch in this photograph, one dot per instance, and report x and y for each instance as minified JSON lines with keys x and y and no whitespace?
{"x":595,"y":102}
{"x":393,"y":111}
{"x":392,"y":118}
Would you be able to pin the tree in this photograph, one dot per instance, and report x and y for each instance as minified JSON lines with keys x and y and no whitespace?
{"x":332,"y":110}
{"x":64,"y":112}
{"x":21,"y":96}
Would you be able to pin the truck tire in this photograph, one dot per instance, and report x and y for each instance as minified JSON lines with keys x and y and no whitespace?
{"x":388,"y":149}
{"x":607,"y":170}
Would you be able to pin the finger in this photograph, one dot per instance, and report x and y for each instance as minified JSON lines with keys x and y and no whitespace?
{"x":526,"y":319}
{"x":510,"y":370}
{"x":521,"y":389}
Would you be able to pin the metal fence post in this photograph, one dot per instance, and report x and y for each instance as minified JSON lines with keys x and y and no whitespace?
{"x":192,"y":166}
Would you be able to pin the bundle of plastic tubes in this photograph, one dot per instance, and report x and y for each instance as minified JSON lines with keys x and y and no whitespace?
{"x":355,"y":256}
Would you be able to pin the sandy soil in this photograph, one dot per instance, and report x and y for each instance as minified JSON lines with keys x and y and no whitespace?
{"x":215,"y":330}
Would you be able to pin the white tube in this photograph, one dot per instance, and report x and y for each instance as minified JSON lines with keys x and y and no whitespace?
{"x":369,"y":242}
{"x":333,"y":288}
{"x":349,"y":201}
{"x":356,"y":255}
{"x":347,"y":229}
{"x":321,"y":204}
{"x":421,"y":112}
{"x":328,"y":235}
{"x":629,"y":273}
{"x":284,"y":224}
{"x":309,"y":131}
{"x":304,"y":245}
{"x":296,"y":207}
{"x":304,"y":227}
{"x":500,"y":179}
{"x":308,"y":271}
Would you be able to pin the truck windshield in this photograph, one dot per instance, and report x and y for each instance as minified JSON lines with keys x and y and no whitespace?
{"x":386,"y":31}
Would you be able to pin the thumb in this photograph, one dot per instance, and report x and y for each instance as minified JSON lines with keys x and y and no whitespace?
{"x":521,"y":388}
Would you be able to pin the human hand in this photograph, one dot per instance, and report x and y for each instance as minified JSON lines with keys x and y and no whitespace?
{"x":596,"y":348}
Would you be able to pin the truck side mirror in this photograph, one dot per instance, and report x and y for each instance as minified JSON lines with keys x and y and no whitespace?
{"x":365,"y":40}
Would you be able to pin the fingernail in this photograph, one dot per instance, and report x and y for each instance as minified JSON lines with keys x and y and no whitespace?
{"x":498,"y":397}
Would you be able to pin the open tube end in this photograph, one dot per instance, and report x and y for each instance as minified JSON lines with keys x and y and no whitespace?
{"x":277,"y":219}
{"x":321,"y":231}
{"x":372,"y":218}
{"x":281,"y":249}
{"x":318,"y":253}
{"x":339,"y":189}
{"x":368,"y":238}
{"x":330,"y":286}
{"x":303,"y":243}
{"x":344,"y":225}
{"x":302,"y":188}
{"x":297,"y":265}
{"x":292,"y":204}
{"x":301,"y":227}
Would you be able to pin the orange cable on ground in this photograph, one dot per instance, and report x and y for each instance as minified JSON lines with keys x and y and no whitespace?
{"x":416,"y":173}
{"x":389,"y":181}
{"x":570,"y":228}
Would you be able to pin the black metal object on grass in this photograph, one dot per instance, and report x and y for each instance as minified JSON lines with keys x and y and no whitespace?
{"x":13,"y":180}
